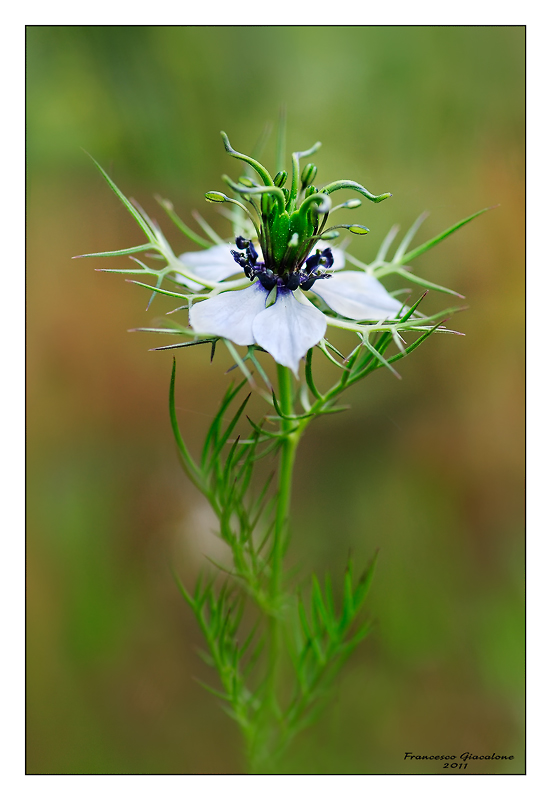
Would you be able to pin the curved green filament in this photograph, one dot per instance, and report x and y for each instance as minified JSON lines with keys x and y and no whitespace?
{"x":316,"y":238}
{"x":273,"y":190}
{"x":357,"y":187}
{"x":256,"y":165}
{"x":304,"y":153}
{"x":296,"y":173}
{"x":321,"y":200}
{"x":236,"y":203}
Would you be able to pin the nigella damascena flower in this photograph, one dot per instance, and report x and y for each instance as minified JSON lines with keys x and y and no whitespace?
{"x":291,"y":325}
{"x":289,"y":256}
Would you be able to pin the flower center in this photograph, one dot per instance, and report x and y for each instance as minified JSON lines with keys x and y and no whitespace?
{"x":304,"y":276}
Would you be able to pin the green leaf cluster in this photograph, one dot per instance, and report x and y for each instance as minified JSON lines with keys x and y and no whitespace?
{"x":219,"y":612}
{"x":324,"y":637}
{"x":318,"y":638}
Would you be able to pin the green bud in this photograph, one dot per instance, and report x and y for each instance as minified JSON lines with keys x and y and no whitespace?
{"x":308,"y":174}
{"x":361,"y":230}
{"x":216,"y":197}
{"x":246,"y":181}
{"x":280,"y":178}
{"x":310,"y":190}
{"x":329,"y":235}
{"x":352,"y":204}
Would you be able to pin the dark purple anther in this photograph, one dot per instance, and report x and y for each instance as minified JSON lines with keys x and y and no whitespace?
{"x":293,"y":281}
{"x":312,"y":263}
{"x":328,"y":255}
{"x":253,"y":255}
{"x":309,"y":282}
{"x":267,"y":281}
{"x":241,"y":242}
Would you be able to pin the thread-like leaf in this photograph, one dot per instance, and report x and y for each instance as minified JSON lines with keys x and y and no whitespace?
{"x":404,"y":244}
{"x":239,"y":362}
{"x":224,"y":437}
{"x":308,"y":375}
{"x":181,"y":344}
{"x":380,"y":357}
{"x":135,"y":213}
{"x":212,"y":435}
{"x":410,"y":276}
{"x":416,"y":343}
{"x":364,"y":583}
{"x":211,"y":233}
{"x":329,"y":596}
{"x":287,"y":416}
{"x":325,"y":346}
{"x":441,"y":236}
{"x":413,"y":308}
{"x":158,"y":290}
{"x":191,"y":467}
{"x":125,"y":252}
{"x":387,"y":241}
{"x":185,"y":594}
{"x":318,"y":606}
{"x":215,"y":692}
{"x":348,"y":601}
{"x":187,"y":231}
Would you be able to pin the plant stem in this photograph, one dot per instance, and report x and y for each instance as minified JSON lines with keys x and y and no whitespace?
{"x":269,"y":741}
{"x":288,"y":451}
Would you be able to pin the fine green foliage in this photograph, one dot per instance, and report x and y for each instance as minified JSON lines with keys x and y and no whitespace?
{"x":324,"y":638}
{"x":319,"y":637}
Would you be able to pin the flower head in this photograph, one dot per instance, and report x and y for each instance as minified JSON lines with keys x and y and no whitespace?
{"x":289,"y":256}
{"x":299,"y":284}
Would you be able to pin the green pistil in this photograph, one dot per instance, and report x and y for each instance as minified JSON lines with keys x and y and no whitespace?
{"x":287,"y":228}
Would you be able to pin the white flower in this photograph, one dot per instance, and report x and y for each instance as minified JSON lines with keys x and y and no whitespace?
{"x":290,"y":326}
{"x":287,"y":329}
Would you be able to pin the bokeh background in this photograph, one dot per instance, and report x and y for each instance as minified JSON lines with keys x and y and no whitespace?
{"x":428,"y":469}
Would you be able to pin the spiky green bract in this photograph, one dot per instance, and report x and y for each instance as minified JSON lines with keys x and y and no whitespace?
{"x":380,"y":267}
{"x":158,"y":249}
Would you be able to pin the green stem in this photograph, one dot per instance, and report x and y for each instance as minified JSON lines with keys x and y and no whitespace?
{"x":268,"y":740}
{"x":288,"y":451}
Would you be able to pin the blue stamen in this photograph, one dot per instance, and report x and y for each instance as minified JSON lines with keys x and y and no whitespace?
{"x":310,"y":281}
{"x":267,"y":281}
{"x":292,"y":281}
{"x":253,"y":255}
{"x":312,"y":263}
{"x":242,"y":243}
{"x":289,"y":281}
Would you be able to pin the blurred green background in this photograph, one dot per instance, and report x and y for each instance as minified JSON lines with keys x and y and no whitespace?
{"x":428,"y":469}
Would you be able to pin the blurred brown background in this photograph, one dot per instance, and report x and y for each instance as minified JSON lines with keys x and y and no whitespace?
{"x":428,"y":469}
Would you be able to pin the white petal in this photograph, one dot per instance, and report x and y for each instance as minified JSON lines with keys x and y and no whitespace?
{"x":338,"y":254}
{"x":338,"y":258}
{"x":214,"y":264}
{"x":357,"y":295}
{"x":288,"y":329}
{"x":230,"y":314}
